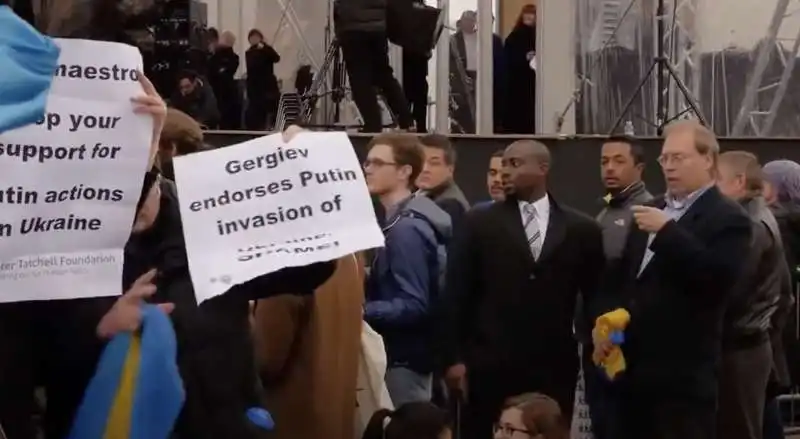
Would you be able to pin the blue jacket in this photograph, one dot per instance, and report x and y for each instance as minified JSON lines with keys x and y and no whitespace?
{"x":403,"y":286}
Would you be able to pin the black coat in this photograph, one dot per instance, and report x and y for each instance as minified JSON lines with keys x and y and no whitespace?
{"x":520,"y":118}
{"x":200,"y":104}
{"x":784,"y":323}
{"x":511,"y":317}
{"x":359,"y":16}
{"x":764,"y":280}
{"x":261,"y":80}
{"x":673,"y":341}
{"x":215,"y":352}
{"x":222,"y":66}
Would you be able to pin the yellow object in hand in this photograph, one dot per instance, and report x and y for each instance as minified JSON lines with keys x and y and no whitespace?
{"x":609,"y":328}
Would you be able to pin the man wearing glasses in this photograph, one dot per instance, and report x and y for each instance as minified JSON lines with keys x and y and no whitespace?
{"x":405,"y":275}
{"x":682,"y":258}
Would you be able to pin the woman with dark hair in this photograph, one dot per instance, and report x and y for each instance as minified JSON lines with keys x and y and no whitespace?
{"x":415,"y":420}
{"x":262,"y":85}
{"x":520,"y":50}
{"x":531,"y":416}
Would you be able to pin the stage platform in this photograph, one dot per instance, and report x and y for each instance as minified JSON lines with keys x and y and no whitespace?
{"x":575,"y":173}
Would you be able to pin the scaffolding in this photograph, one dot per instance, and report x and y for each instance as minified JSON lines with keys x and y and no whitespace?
{"x":680,"y":39}
{"x":773,"y":90}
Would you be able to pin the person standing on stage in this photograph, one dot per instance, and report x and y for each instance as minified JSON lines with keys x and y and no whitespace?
{"x":680,"y":264}
{"x":263,"y":92}
{"x":415,"y":83}
{"x":361,"y":32}
{"x":515,"y":270}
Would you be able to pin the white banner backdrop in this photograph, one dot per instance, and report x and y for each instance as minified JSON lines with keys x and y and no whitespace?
{"x":71,"y":181}
{"x":263,"y":205}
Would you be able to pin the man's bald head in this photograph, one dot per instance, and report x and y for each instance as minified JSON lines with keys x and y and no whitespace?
{"x":532,"y":148}
{"x":525,"y":167}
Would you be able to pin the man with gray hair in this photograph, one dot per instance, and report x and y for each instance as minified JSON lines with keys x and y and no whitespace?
{"x":747,"y":354}
{"x":681,"y":261}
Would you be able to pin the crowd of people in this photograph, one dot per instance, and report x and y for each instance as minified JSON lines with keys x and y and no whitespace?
{"x":477,"y":305}
{"x":489,"y":313}
{"x":211,"y":93}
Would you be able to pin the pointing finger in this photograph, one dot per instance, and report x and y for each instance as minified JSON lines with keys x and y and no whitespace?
{"x":148,"y":86}
{"x":141,"y":292}
{"x":145,"y":279}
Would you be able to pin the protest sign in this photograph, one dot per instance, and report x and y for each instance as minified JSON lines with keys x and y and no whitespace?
{"x":72,"y":180}
{"x":263,"y":205}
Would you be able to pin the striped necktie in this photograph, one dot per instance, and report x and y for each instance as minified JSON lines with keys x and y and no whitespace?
{"x":532,"y":231}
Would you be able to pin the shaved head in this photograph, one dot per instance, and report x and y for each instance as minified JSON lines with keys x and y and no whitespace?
{"x":525,"y":167}
{"x":531,"y":148}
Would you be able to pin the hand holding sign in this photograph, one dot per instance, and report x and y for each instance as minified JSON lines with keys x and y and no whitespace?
{"x":291,"y":132}
{"x":151,"y":103}
{"x":126,"y":314}
{"x":263,"y":205}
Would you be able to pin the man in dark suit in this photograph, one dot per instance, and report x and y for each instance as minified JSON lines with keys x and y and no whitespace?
{"x":515,"y":270}
{"x":683,"y":256}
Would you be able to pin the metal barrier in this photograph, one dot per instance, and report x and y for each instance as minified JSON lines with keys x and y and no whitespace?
{"x":789,"y":403}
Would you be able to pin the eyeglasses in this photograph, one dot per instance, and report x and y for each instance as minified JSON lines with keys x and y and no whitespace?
{"x":672,"y":159}
{"x":508,"y":431}
{"x":377,"y":163}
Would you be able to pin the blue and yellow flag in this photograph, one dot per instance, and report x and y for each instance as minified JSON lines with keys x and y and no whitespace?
{"x":29,"y":61}
{"x":137,"y":391}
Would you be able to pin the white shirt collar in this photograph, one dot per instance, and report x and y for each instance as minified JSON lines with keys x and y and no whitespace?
{"x":542,"y":206}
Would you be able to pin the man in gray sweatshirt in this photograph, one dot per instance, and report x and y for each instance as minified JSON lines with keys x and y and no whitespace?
{"x":621,"y":167}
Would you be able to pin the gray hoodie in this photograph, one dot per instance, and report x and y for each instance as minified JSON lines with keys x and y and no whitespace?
{"x":616,"y":217}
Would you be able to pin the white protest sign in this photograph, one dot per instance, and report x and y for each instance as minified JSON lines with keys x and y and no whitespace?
{"x":71,"y":181}
{"x":263,"y":205}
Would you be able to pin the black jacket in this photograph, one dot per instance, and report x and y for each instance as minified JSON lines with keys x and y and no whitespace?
{"x":222,"y":66}
{"x":261,"y":80}
{"x":786,"y":347}
{"x":673,"y":341}
{"x":764,"y":277}
{"x":451,"y":199}
{"x":201,"y":104}
{"x":360,"y":16}
{"x":510,"y":316}
{"x":215,"y":352}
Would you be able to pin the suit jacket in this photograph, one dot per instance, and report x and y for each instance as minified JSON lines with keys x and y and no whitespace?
{"x":673,"y":341}
{"x":511,"y":317}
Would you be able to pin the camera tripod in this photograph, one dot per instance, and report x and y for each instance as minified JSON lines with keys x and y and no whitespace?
{"x":339,"y":92}
{"x":663,"y":71}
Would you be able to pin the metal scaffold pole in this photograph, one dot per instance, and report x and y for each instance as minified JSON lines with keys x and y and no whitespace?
{"x":443,"y":76}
